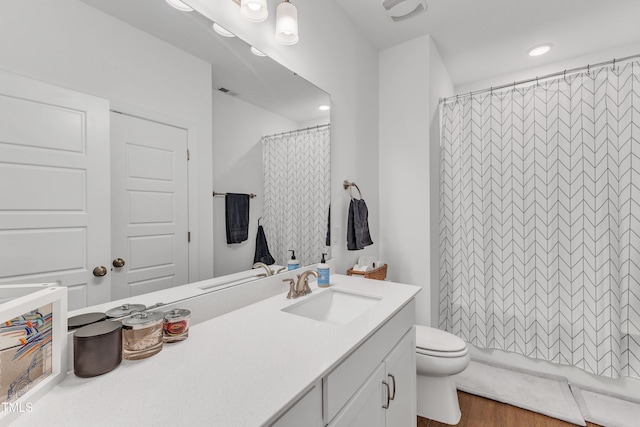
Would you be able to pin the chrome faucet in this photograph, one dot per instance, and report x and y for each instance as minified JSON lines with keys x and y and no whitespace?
{"x":266,"y":268}
{"x":303,"y":282}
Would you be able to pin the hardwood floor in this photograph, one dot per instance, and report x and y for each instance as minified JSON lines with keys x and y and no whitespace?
{"x":480,"y":412}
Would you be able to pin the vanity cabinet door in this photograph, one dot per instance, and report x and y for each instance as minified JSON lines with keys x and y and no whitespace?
{"x":400,"y":366}
{"x":365,"y":409}
{"x":306,"y":412}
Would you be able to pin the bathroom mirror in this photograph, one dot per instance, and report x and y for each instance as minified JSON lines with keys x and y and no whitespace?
{"x":253,"y":97}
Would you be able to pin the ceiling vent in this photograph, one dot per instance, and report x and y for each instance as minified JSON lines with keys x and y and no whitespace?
{"x":401,"y":10}
{"x":227,"y":91}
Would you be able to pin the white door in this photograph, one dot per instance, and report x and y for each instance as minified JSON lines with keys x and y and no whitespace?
{"x":149,"y":206}
{"x":54,"y":194}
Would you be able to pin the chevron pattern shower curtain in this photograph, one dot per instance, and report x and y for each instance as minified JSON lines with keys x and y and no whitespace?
{"x":297,"y":193}
{"x":540,"y":220}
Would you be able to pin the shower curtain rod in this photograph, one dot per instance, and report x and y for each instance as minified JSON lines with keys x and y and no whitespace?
{"x":297,"y":130}
{"x":537,"y":79}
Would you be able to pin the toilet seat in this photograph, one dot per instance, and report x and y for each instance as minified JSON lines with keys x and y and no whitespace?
{"x":438,"y":343}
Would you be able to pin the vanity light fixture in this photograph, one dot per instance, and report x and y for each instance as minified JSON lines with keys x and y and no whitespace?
{"x":222,"y":31}
{"x":180,"y":5}
{"x":257,"y":52}
{"x":287,"y":24}
{"x":540,"y":49}
{"x":254,"y":10}
{"x":324,"y":107}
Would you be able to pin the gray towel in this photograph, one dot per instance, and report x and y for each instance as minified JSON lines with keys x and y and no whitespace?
{"x":358,"y":226}
{"x":237,"y":217}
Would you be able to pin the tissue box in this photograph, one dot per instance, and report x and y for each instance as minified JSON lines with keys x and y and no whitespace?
{"x":33,"y":345}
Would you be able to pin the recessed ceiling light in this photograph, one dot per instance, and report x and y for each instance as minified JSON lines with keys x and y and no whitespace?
{"x":540,"y":49}
{"x":222,"y":31}
{"x":180,"y":5}
{"x":323,"y":107}
{"x":254,"y":10}
{"x":257,"y":52}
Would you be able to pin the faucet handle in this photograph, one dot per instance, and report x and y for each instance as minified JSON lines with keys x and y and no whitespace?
{"x":292,"y":289}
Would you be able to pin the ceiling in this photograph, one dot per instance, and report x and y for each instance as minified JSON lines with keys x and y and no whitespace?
{"x":478,"y":39}
{"x":258,"y":80}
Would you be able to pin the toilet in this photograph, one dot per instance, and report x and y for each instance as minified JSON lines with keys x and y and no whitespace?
{"x":439,"y":357}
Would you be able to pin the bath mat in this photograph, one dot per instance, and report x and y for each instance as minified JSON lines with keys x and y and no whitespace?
{"x":607,"y":409}
{"x":546,"y":394}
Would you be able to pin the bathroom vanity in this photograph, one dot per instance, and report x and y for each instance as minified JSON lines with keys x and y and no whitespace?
{"x":340,"y":354}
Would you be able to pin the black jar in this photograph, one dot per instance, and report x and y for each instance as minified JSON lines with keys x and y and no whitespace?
{"x":97,"y":348}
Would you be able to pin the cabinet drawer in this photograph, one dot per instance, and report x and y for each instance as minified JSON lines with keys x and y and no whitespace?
{"x":345,"y":380}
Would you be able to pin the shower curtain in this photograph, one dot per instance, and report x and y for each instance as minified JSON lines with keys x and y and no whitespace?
{"x":297,"y":193}
{"x":540,"y":220}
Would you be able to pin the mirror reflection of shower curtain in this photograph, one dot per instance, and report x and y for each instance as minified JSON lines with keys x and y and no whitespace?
{"x":297,"y":193}
{"x":540,"y":220}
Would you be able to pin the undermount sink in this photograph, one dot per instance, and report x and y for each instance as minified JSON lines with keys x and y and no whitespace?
{"x":333,"y":306}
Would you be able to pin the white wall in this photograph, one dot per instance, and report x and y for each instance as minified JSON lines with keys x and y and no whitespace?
{"x":529,"y":73}
{"x":237,"y":168}
{"x":412,"y":76}
{"x":334,"y":56}
{"x":70,"y":44}
{"x":441,"y":87}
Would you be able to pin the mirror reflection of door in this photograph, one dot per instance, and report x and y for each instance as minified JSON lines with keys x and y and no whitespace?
{"x":54,"y":197}
{"x":149,"y":206}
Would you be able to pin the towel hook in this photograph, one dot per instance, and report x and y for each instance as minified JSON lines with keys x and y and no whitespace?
{"x":259,"y":221}
{"x":348,"y":185}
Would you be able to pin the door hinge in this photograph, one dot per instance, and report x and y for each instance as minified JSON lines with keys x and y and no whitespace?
{"x":188,"y":236}
{"x":188,"y":155}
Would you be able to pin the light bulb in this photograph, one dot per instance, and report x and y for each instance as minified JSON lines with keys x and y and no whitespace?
{"x":180,"y":5}
{"x":254,"y":10}
{"x":287,"y":23}
{"x":257,"y":52}
{"x":222,"y":31}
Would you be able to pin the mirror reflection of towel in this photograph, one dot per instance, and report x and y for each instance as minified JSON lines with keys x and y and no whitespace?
{"x":237,"y":217}
{"x":358,"y":226}
{"x":262,"y":253}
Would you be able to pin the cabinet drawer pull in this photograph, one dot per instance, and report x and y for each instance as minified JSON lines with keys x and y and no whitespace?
{"x":393,"y":396}
{"x":388,"y":394}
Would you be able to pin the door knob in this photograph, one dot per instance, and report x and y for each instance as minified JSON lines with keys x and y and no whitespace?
{"x":100,"y":271}
{"x":118,"y":262}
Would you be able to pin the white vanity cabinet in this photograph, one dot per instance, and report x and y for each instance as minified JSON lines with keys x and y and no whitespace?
{"x":376,"y":384}
{"x":388,"y":396}
{"x":373,"y":386}
{"x":310,"y":373}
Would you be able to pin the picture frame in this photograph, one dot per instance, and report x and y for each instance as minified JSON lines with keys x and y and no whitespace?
{"x":33,"y":345}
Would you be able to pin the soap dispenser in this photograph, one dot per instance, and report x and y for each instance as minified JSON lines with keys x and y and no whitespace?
{"x":323,"y":273}
{"x":293,"y":263}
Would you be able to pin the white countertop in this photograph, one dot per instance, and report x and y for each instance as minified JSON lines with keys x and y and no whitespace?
{"x":243,"y":368}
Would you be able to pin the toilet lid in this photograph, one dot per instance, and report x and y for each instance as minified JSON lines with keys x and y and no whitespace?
{"x":436,"y":340}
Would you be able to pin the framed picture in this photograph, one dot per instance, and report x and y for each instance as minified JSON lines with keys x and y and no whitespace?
{"x":33,"y":345}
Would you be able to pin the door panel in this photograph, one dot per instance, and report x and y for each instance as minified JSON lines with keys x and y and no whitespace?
{"x":365,"y":409}
{"x":149,"y":205}
{"x":54,"y":198}
{"x":400,"y":367}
